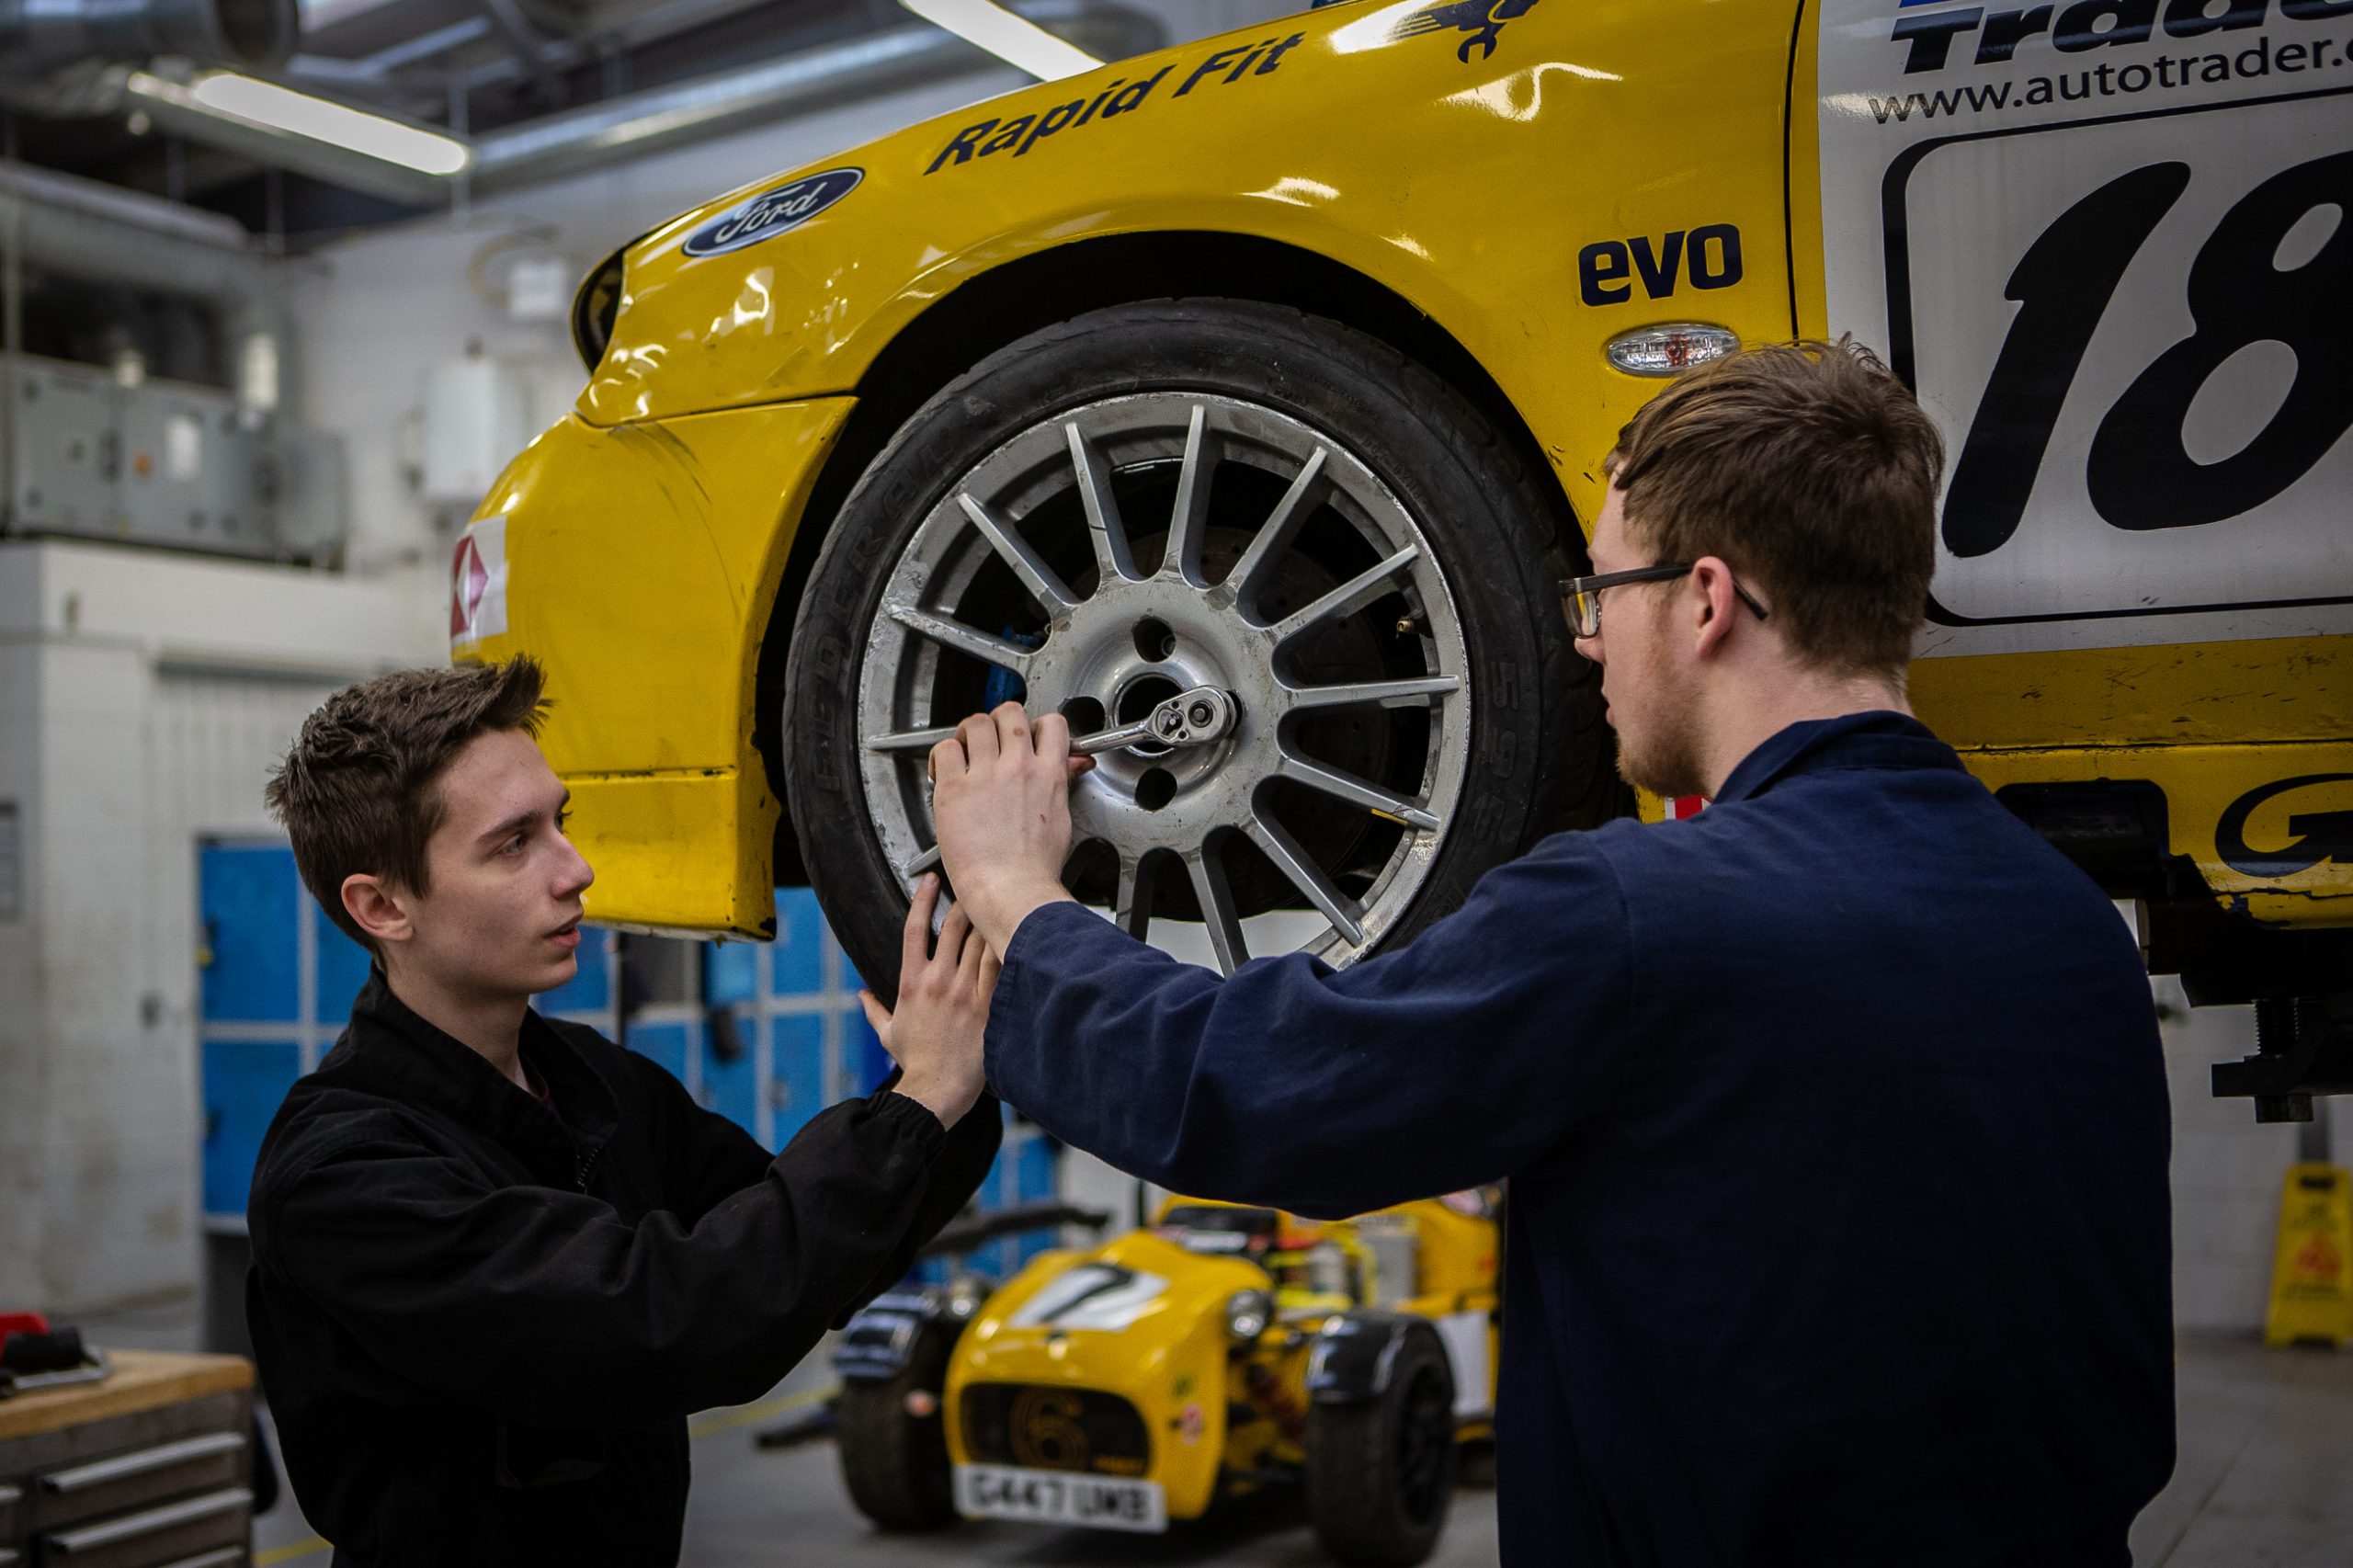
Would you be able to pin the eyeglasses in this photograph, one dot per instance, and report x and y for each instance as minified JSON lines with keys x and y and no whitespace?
{"x":1582,"y":596}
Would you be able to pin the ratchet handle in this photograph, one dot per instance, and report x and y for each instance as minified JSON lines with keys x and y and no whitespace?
{"x":1112,"y":740}
{"x":1189,"y":719}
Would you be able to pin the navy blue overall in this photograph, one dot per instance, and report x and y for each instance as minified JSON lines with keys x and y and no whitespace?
{"x":1835,"y":1124}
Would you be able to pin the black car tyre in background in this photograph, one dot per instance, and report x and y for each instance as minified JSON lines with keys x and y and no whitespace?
{"x":1380,"y":1471}
{"x":894,"y":1462}
{"x":1201,"y":491}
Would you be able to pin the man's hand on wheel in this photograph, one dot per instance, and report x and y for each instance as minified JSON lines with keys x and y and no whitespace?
{"x":1001,"y":799}
{"x":944,"y":990}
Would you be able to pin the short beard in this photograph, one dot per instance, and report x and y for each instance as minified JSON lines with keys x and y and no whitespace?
{"x":1664,"y":758}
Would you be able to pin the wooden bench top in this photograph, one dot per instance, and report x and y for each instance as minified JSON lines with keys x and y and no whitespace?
{"x":142,"y":1379}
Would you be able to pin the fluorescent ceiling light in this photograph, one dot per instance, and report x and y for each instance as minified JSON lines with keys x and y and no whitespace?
{"x":1014,"y":40}
{"x":275,"y":107}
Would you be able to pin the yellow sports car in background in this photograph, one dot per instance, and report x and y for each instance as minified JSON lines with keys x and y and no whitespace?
{"x":1223,"y":1353}
{"x":1283,"y":364}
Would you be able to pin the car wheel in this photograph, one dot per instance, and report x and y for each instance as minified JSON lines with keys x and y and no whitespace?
{"x":894,"y":1462}
{"x":1160,"y":496}
{"x":1381,"y":1472}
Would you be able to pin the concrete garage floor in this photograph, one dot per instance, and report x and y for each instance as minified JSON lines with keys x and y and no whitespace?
{"x":2264,"y":1481}
{"x":2265,"y":1476}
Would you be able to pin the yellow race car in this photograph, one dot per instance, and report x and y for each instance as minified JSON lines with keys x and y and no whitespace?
{"x":1281,"y":364}
{"x":1223,"y":1352}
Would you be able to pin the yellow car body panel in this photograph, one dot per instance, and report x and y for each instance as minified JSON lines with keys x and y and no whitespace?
{"x":668,"y":539}
{"x":1469,"y":173}
{"x":2223,"y":812}
{"x":2210,"y":723}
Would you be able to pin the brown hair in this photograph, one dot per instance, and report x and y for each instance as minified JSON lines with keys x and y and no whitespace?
{"x":1813,"y":472}
{"x":356,"y":790}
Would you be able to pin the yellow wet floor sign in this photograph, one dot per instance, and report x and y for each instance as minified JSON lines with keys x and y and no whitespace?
{"x":2312,"y":1276}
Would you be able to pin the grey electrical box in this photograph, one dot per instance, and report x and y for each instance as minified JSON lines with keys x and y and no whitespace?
{"x":164,"y":462}
{"x":66,"y":466}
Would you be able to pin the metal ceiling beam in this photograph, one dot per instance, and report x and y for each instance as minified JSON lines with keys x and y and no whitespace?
{"x":650,"y":121}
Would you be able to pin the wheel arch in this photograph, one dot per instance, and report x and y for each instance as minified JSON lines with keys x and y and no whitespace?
{"x":1007,"y":302}
{"x":1353,"y":1357}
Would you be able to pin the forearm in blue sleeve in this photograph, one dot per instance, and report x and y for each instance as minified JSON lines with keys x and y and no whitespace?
{"x":1452,"y":1061}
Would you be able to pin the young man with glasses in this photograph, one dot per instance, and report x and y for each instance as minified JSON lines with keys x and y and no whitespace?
{"x":1835,"y":1116}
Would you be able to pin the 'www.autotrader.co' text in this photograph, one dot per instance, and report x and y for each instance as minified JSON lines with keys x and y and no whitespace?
{"x":2259,"y":58}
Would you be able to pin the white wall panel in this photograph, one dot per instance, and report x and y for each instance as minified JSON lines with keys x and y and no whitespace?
{"x":142,"y":698}
{"x":21,"y":1098}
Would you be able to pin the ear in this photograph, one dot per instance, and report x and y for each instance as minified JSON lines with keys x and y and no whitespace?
{"x":376,"y":909}
{"x":1712,"y":604}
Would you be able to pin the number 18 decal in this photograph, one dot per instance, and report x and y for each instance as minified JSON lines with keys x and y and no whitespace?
{"x":2135,"y":333}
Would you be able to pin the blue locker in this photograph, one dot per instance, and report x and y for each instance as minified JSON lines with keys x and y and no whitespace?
{"x":1033,"y":1169}
{"x":867,"y":1062}
{"x":245,"y":1082}
{"x":252,"y":1036}
{"x":796,"y":1072}
{"x":247,"y":896}
{"x":666,"y":1043}
{"x":797,"y":956}
{"x":731,"y":1085}
{"x":730,"y":975}
{"x":590,"y":990}
{"x":343,"y":969}
{"x":730,"y":1068}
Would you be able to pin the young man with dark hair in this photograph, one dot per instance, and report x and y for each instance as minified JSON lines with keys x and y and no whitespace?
{"x":1835,"y":1116}
{"x":498,"y":1261}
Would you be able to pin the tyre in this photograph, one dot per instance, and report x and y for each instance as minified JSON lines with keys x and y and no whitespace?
{"x":1160,"y":496}
{"x":1381,"y":1472}
{"x":894,"y":1462}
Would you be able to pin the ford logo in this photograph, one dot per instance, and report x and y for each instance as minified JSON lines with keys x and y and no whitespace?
{"x":772,"y":212}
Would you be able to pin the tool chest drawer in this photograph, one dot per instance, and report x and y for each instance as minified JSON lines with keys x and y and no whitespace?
{"x":151,"y":1468}
{"x":159,"y":1537}
{"x":205,"y":1462}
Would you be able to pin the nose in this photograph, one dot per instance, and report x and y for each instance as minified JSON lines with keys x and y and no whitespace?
{"x":577,"y":874}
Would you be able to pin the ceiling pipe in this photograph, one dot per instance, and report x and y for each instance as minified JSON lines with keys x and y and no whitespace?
{"x":94,"y":216}
{"x":41,"y":35}
{"x":655,"y":119}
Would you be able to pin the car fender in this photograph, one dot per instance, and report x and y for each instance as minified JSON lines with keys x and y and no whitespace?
{"x":1356,"y":1353}
{"x":881,"y":1339}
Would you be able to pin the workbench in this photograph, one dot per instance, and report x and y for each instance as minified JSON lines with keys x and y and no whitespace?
{"x":153,"y":1468}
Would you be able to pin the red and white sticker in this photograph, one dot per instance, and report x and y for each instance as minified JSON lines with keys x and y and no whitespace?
{"x":478,"y":584}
